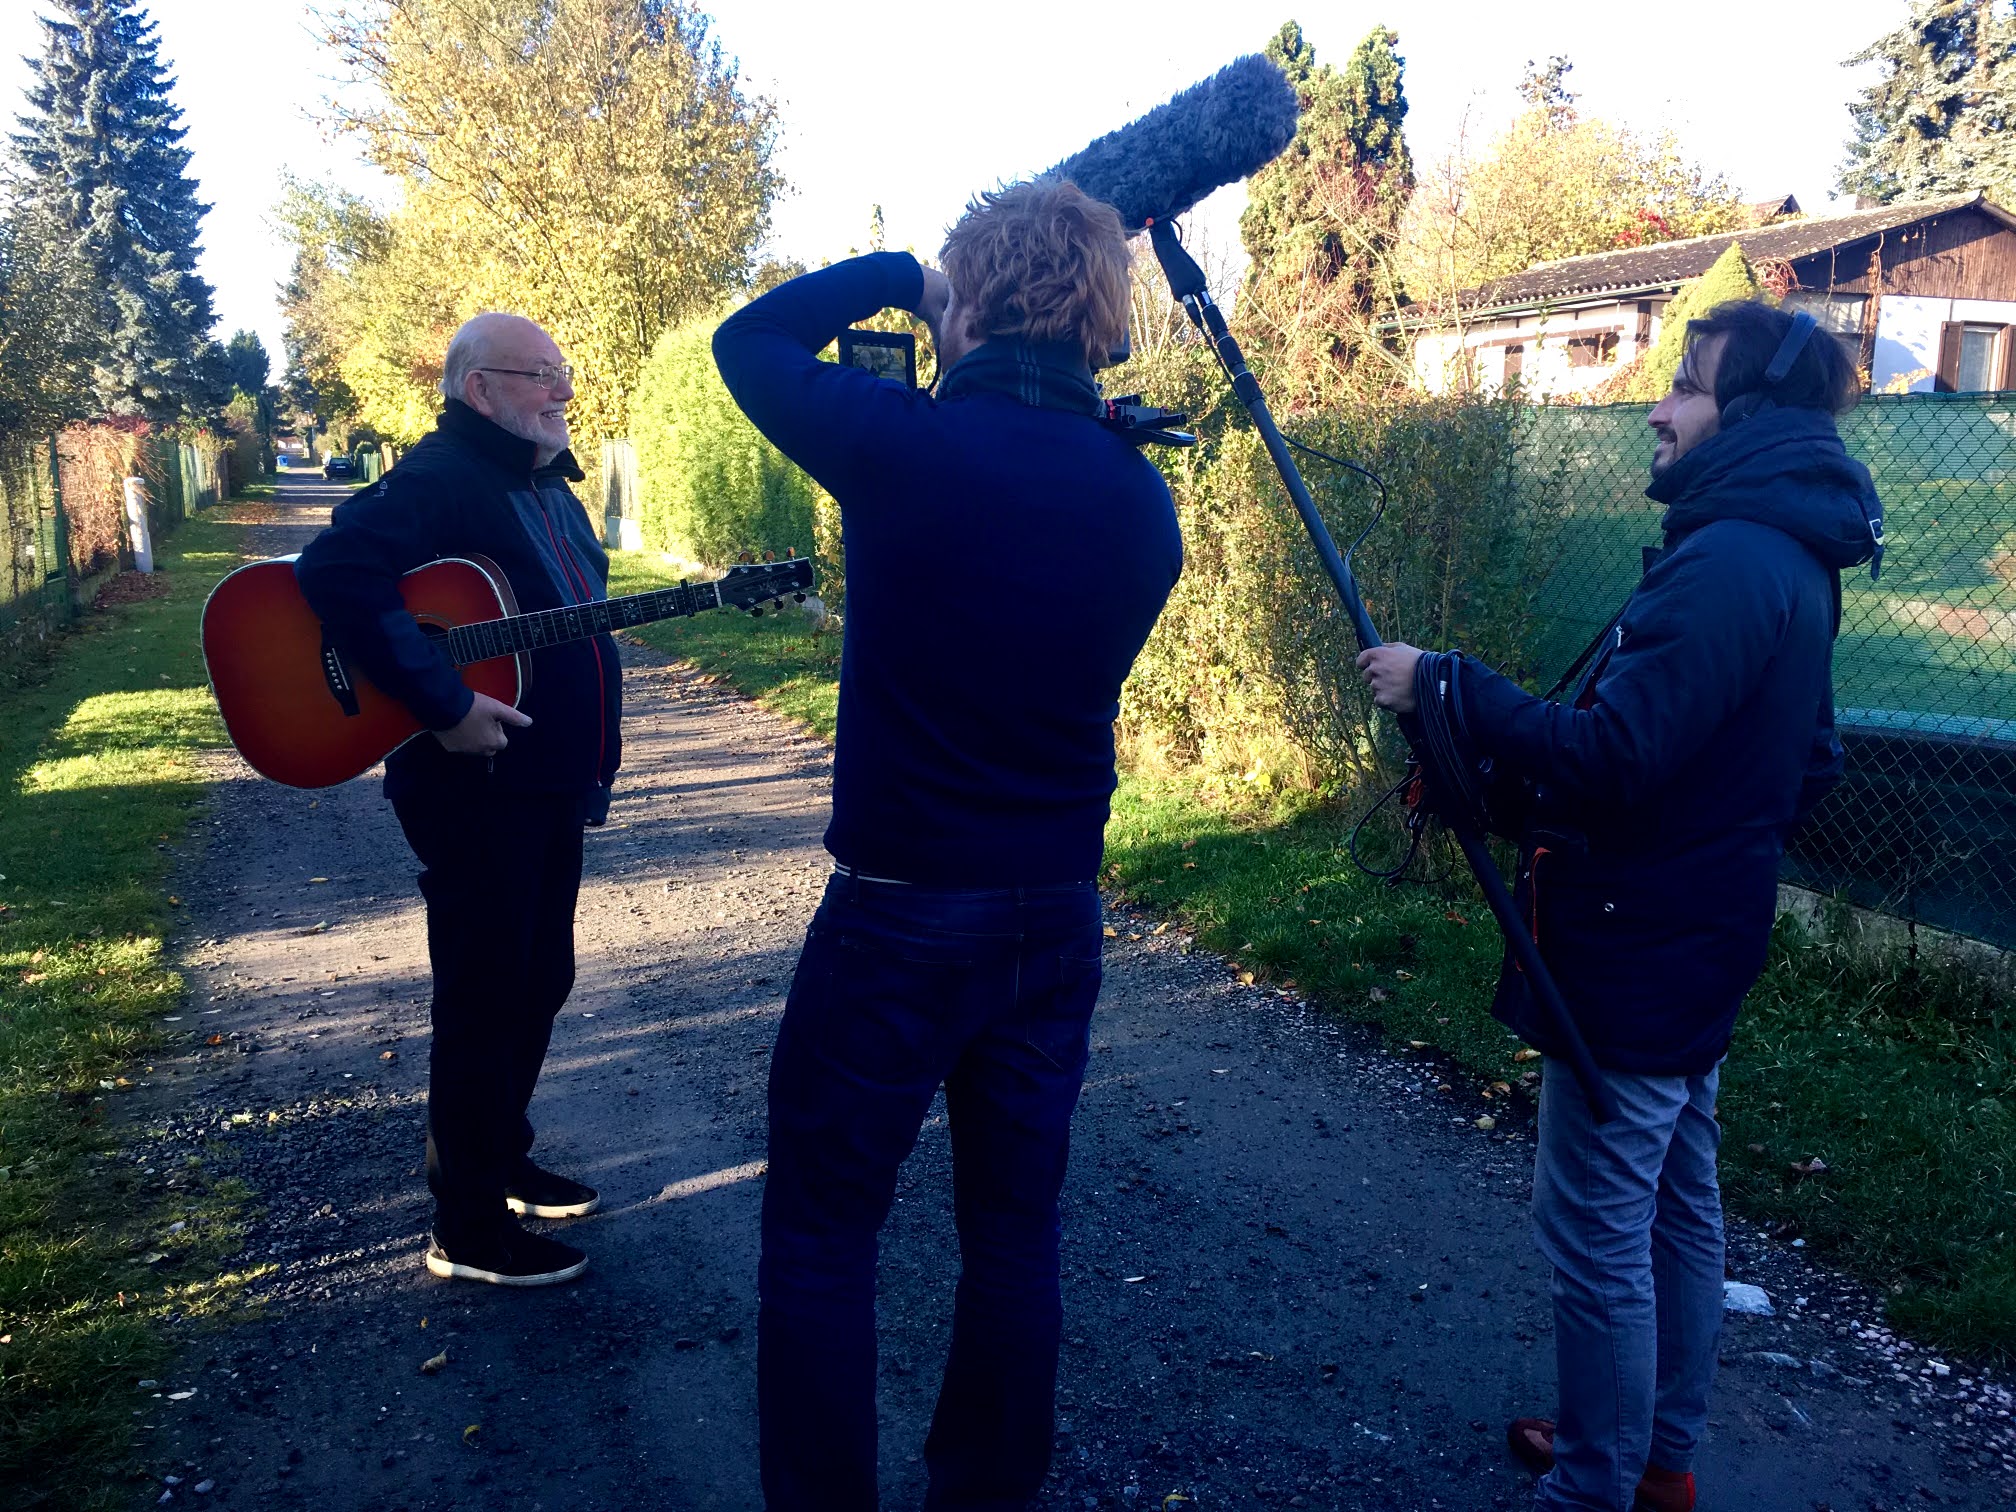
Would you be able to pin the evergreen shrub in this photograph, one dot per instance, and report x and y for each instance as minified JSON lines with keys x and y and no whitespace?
{"x":1249,"y":675}
{"x":710,"y":487}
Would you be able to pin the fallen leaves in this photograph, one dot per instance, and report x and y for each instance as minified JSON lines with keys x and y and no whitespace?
{"x":434,"y":1366}
{"x":1811,"y":1166}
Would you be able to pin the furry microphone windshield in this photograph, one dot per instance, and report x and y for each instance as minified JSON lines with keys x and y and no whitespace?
{"x":1230,"y":125}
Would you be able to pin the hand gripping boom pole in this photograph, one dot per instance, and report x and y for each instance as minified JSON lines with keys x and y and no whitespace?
{"x":1186,"y":283}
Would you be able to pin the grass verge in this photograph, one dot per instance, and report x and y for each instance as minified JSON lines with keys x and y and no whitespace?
{"x":96,"y":753}
{"x":779,"y":660}
{"x":1898,"y":1072}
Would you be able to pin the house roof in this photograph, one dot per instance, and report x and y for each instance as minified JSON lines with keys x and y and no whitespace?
{"x":1666,"y":265}
{"x":1765,"y":212}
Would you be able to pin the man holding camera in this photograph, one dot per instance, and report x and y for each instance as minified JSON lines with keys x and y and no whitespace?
{"x":1007,"y":555}
{"x":493,"y":802}
{"x":1660,"y":796}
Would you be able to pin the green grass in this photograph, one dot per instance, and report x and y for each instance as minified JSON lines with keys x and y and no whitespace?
{"x":1899,"y":1075}
{"x":778,"y":659}
{"x":97,"y":758}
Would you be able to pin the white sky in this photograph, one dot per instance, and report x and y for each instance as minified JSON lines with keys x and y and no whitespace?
{"x":914,"y":105}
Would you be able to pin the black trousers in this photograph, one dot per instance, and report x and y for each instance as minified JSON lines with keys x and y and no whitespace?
{"x":501,"y":872}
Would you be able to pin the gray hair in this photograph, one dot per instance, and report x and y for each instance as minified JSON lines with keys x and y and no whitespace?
{"x":467,"y":349}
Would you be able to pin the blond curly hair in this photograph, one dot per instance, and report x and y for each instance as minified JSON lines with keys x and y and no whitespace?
{"x":1045,"y":261}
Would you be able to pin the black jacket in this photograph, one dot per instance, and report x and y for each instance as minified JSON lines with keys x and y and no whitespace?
{"x":1702,"y":733}
{"x":469,"y":488}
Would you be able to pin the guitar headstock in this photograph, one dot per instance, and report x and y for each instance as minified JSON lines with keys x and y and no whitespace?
{"x":748,"y":585}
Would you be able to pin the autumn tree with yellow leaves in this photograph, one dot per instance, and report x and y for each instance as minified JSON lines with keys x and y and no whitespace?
{"x":593,"y":164}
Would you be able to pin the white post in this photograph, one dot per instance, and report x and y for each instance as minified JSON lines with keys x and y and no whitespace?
{"x":136,"y":525}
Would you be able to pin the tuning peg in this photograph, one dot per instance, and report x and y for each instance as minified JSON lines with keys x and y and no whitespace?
{"x":797,"y":598}
{"x":777,"y":603}
{"x":755,"y":614}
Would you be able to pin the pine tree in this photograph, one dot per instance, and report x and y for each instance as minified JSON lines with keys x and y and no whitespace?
{"x":103,"y":156}
{"x":1321,"y":218}
{"x":1647,"y":380}
{"x":1941,"y":119}
{"x":245,"y":358}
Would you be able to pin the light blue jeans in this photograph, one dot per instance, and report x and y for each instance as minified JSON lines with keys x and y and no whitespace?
{"x":1630,"y":1216}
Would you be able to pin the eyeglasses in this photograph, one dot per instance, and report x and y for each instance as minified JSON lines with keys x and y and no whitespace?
{"x":546,"y":376}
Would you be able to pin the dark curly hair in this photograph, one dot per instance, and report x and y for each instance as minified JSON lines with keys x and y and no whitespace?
{"x":1822,"y":378}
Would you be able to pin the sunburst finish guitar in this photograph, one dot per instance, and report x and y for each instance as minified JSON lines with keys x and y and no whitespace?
{"x":299,"y":714}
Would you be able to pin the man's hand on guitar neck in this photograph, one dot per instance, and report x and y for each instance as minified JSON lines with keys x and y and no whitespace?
{"x":481,"y":732}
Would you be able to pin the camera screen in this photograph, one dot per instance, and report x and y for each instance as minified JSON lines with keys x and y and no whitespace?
{"x":888,"y":354}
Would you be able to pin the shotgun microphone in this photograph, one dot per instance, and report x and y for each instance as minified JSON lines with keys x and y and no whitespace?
{"x":1213,"y":133}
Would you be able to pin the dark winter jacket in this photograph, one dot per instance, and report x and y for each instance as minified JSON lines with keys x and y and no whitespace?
{"x":1700,"y":736}
{"x":1006,"y":558}
{"x":470,"y":488}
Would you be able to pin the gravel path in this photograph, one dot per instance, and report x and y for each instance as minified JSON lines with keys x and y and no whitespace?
{"x":1294,"y":1275}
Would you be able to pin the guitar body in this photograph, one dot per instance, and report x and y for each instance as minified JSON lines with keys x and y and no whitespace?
{"x":294,"y":709}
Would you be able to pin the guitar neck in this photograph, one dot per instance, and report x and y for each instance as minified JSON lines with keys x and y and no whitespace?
{"x":486,"y":639}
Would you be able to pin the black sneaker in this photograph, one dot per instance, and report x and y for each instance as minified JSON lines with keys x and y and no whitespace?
{"x":507,"y":1256}
{"x":541,"y":1194}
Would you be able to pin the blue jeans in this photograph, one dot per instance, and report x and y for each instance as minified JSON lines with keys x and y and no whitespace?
{"x":1630,"y":1216}
{"x":898,"y":990}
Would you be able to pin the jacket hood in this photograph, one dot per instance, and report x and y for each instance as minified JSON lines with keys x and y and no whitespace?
{"x":1785,"y":468}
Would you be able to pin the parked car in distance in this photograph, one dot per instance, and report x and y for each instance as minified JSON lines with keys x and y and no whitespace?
{"x":339,"y":467}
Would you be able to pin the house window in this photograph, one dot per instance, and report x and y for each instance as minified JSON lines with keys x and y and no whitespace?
{"x":1597,"y":349}
{"x":1978,"y":368}
{"x":1974,"y":358}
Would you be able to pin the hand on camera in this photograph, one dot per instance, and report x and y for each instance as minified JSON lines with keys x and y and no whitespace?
{"x":1389,"y":672}
{"x":481,"y":732}
{"x":936,"y":298}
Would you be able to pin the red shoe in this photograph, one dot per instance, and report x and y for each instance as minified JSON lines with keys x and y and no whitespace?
{"x":1531,"y":1441}
{"x":1665,"y":1491}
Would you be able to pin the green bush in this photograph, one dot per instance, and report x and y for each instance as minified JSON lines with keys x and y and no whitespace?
{"x":1249,"y":673}
{"x":245,"y":441}
{"x":710,"y":488}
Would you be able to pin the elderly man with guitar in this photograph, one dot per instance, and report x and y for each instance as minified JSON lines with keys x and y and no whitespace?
{"x":494,"y":801}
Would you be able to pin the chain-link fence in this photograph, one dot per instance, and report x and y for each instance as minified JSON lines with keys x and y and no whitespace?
{"x":1924,"y":826}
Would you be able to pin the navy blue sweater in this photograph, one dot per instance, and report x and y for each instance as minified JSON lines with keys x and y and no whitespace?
{"x":470,"y":488}
{"x":1700,"y":736}
{"x":1006,"y":558}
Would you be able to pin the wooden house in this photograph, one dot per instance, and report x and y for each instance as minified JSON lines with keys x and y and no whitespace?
{"x":1927,"y":291}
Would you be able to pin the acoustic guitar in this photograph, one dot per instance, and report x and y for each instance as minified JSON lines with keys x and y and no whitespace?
{"x":299,"y":714}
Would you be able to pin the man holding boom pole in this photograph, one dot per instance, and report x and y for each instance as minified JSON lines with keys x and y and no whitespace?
{"x":1007,"y":555}
{"x":1661,"y":794}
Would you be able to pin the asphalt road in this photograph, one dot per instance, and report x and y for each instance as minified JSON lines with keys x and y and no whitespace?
{"x":1295,"y":1275}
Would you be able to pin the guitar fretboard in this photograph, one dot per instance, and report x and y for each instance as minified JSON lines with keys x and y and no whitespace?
{"x":552,"y":627}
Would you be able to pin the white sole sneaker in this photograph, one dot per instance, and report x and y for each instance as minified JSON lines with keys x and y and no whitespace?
{"x":440,"y":1265}
{"x":526,"y":1209}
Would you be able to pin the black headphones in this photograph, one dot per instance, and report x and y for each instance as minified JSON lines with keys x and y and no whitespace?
{"x":1759,"y":399}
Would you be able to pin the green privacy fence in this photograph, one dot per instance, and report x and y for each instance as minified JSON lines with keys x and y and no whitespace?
{"x":63,"y":517}
{"x":34,"y":586}
{"x":1924,"y":826}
